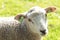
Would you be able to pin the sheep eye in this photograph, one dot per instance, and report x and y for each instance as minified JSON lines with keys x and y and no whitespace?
{"x":30,"y":20}
{"x":45,"y":15}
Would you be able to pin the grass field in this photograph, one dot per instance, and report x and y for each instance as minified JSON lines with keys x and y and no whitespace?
{"x":13,"y":7}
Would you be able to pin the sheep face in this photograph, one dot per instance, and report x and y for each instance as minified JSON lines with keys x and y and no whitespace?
{"x":38,"y":19}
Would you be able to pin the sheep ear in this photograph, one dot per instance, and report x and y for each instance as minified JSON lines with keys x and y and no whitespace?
{"x":18,"y":17}
{"x":50,"y":9}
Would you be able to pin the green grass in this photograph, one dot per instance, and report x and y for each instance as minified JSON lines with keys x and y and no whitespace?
{"x":13,"y":7}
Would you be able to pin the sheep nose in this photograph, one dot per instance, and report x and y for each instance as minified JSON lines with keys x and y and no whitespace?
{"x":43,"y":31}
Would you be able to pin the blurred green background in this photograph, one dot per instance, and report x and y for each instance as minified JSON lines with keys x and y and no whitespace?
{"x":13,"y":7}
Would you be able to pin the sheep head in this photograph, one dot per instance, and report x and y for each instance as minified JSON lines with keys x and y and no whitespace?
{"x":36,"y":19}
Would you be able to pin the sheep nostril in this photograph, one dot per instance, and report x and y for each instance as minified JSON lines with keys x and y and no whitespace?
{"x":43,"y":31}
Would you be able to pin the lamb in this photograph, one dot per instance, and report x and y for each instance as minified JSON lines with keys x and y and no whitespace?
{"x":33,"y":26}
